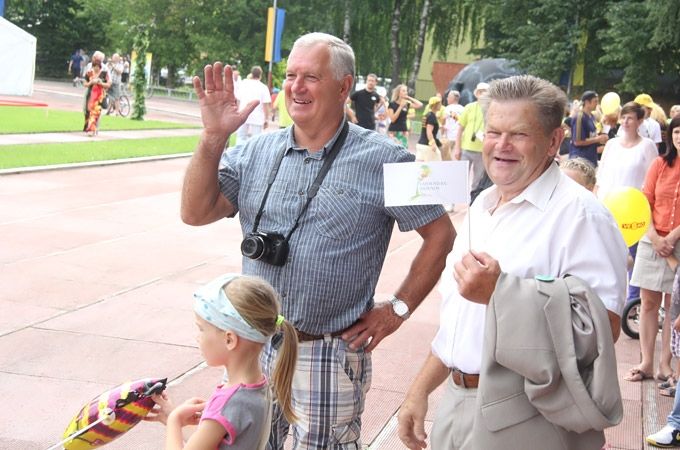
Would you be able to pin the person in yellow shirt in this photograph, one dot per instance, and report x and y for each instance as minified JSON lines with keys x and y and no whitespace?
{"x":468,"y":146}
{"x":280,"y":106}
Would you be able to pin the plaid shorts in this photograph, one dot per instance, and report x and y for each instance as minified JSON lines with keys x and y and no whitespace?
{"x":329,"y":390}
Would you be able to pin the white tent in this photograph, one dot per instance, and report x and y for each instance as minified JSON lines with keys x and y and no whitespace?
{"x":17,"y":59}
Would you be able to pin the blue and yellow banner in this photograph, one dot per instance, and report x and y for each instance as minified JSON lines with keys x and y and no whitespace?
{"x":275,"y":23}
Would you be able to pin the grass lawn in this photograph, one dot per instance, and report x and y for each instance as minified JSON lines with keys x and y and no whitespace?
{"x":24,"y":119}
{"x":28,"y":155}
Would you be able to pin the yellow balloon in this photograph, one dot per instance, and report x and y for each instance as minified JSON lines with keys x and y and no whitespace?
{"x":610,"y":103}
{"x":631,"y":211}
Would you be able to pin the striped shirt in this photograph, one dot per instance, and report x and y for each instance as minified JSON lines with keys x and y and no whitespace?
{"x":338,"y":249}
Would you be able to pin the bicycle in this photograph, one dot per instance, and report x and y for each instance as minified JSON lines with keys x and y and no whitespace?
{"x":630,"y":319}
{"x":123,"y":103}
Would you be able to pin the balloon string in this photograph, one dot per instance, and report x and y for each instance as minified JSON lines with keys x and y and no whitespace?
{"x":106,"y":414}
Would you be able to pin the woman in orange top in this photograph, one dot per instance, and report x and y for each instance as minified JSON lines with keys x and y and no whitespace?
{"x":658,"y":253}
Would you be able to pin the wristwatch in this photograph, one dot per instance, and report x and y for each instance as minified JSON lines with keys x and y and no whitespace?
{"x":400,"y":308}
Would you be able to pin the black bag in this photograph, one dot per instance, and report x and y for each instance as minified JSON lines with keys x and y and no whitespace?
{"x":106,"y":102}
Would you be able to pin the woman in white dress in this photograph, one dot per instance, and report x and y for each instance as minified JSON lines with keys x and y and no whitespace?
{"x":626,"y":158}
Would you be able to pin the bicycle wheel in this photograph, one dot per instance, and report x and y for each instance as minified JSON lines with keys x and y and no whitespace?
{"x":630,"y":319}
{"x":124,"y":105}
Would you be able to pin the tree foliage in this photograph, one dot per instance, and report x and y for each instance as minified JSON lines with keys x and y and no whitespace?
{"x":642,"y":42}
{"x":626,"y":43}
{"x":60,"y":28}
{"x":141,"y":45}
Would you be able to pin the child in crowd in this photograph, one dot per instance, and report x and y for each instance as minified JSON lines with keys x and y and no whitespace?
{"x":235,"y":315}
{"x":581,"y":171}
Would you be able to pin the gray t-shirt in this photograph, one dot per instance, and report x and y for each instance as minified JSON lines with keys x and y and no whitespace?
{"x":244,"y":410}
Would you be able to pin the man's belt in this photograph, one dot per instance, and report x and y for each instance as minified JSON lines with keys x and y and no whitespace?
{"x":304,"y":337}
{"x":465,"y":380}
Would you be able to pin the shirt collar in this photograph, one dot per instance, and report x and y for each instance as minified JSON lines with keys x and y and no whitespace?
{"x":292,"y":145}
{"x":538,"y":193}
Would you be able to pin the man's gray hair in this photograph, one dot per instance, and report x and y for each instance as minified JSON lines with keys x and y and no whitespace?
{"x":342,"y":55}
{"x":550,"y":101}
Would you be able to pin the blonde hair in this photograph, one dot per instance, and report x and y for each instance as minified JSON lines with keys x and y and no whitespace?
{"x":258,"y":304}
{"x":658,"y":114}
{"x":583,"y":167}
{"x":396,"y":91}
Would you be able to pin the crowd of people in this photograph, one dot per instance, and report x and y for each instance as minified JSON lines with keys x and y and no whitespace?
{"x":640,"y":151}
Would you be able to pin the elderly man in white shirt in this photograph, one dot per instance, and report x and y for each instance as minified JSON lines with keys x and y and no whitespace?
{"x":534,"y":222}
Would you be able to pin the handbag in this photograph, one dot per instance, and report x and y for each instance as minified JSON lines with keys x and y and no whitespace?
{"x":106,"y":102}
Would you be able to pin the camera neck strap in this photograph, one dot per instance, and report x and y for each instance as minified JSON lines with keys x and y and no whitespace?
{"x":316,"y":184}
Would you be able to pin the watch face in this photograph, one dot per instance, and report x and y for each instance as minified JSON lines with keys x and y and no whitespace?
{"x":400,"y":308}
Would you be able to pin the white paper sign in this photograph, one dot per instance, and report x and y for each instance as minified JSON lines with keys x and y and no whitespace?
{"x":426,"y":183}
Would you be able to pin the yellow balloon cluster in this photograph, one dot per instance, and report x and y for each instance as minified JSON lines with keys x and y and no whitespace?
{"x":631,"y":211}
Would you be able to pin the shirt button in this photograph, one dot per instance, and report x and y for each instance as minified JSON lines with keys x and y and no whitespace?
{"x":284,"y":295}
{"x":301,"y":193}
{"x":307,"y":161}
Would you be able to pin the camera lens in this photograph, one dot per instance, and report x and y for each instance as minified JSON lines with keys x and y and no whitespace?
{"x":252,"y":247}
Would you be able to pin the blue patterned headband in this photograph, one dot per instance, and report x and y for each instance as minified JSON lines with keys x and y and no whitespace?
{"x":213,"y":305}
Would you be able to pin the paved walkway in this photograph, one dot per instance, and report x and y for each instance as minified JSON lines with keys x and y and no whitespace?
{"x":96,"y":276}
{"x":104,"y":135}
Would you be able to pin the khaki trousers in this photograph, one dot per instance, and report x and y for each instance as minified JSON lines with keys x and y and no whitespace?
{"x":452,"y":427}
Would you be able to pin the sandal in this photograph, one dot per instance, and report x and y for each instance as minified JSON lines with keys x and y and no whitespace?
{"x":635,"y":374}
{"x":669,"y":383}
{"x":670,"y":392}
{"x":662,"y":377}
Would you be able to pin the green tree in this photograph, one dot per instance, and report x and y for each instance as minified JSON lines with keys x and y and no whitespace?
{"x":548,"y":38}
{"x":642,"y":40}
{"x":139,"y":83}
{"x":60,"y":28}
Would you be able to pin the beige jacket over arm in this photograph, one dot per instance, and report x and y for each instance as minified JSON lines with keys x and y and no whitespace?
{"x":548,"y":370}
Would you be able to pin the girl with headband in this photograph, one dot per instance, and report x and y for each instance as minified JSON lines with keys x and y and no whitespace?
{"x":235,"y":316}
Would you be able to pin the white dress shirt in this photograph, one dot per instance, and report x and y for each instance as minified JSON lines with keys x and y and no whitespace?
{"x":554,"y":227}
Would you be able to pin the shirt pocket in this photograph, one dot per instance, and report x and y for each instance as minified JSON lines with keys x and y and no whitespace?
{"x":335,"y":211}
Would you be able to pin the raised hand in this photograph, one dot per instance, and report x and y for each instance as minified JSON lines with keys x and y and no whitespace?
{"x":219,"y":107}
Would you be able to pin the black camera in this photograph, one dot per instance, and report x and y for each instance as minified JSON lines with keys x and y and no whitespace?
{"x":271,"y":248}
